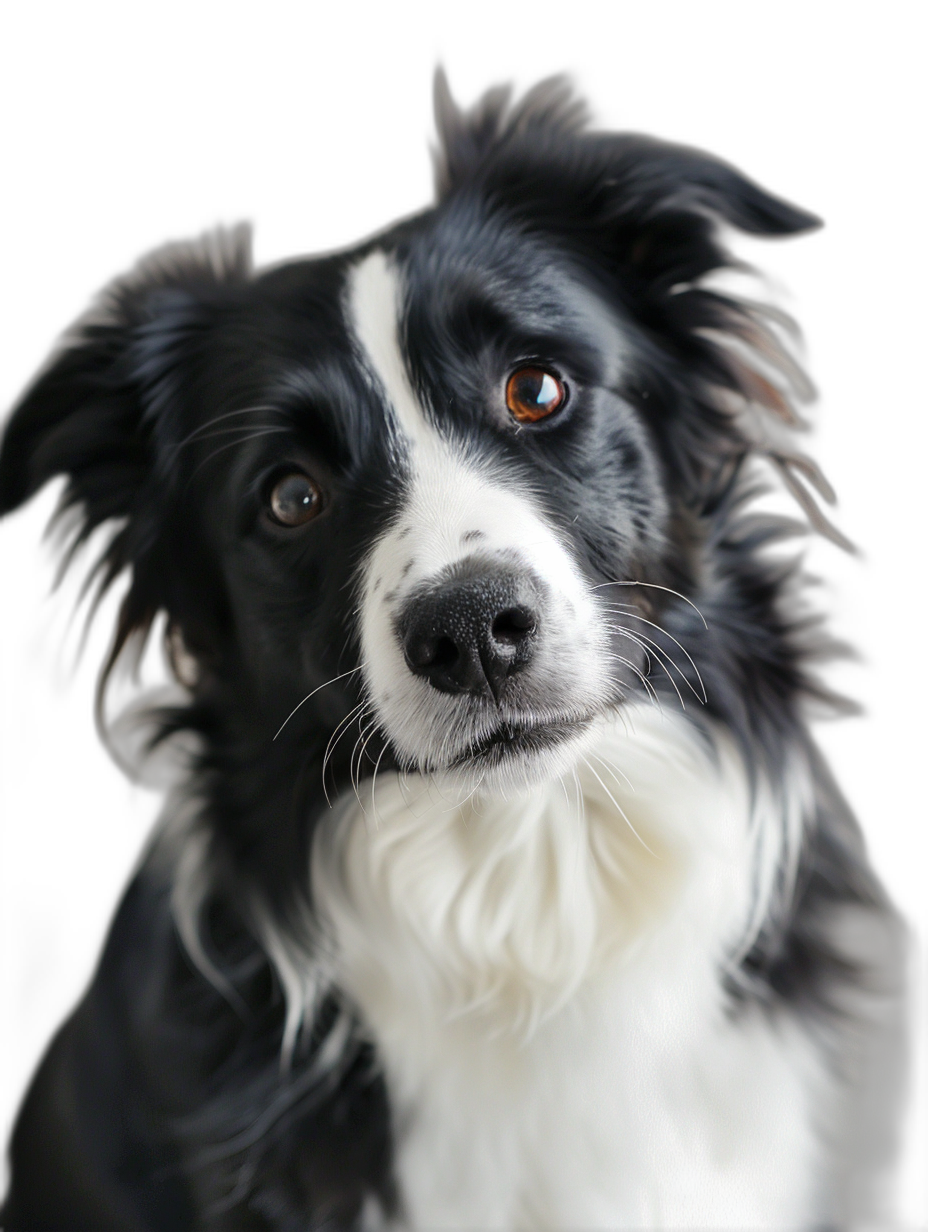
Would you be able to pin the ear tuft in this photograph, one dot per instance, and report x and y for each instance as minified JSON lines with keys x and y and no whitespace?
{"x":738,"y":202}
{"x":678,"y":177}
{"x":86,"y":415}
{"x":537,"y":158}
{"x":468,"y":138}
{"x":199,"y":267}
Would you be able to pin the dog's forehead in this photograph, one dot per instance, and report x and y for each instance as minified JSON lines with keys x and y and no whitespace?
{"x":469,"y":263}
{"x":416,"y":329}
{"x":432,"y":306}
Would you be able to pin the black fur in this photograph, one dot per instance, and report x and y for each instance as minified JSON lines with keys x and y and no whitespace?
{"x":162,"y":1103}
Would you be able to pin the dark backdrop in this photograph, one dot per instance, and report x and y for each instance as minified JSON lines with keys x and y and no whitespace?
{"x":319,"y":136}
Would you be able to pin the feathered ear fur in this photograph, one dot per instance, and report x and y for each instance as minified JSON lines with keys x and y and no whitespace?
{"x":93,"y":413}
{"x":539,"y":149}
{"x":469,"y":140}
{"x":101,"y":414}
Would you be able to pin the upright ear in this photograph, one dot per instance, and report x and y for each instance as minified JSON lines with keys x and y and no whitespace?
{"x":100,"y":412}
{"x":537,"y":159}
{"x":469,"y":141}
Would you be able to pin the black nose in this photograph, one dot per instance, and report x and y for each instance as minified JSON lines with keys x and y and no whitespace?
{"x":472,"y":632}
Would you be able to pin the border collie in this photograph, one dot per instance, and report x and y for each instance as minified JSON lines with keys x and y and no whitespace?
{"x":504,"y":887}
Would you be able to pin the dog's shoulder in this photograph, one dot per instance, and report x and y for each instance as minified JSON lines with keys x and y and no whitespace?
{"x":92,"y":1106}
{"x":147,"y":1097}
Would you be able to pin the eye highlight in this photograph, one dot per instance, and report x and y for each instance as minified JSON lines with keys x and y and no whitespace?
{"x":294,"y":499}
{"x":534,"y":393}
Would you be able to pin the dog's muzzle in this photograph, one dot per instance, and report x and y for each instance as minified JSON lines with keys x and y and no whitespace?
{"x":489,"y":664}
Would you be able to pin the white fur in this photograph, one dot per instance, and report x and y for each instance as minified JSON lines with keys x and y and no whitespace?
{"x":455,"y":507}
{"x":541,"y":976}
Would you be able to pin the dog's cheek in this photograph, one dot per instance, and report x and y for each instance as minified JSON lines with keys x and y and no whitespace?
{"x":390,"y":685}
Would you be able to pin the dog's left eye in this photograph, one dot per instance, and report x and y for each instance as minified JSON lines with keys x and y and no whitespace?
{"x":294,"y":499}
{"x":534,"y":393}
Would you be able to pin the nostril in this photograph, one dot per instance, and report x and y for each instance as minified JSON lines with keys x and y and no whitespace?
{"x":444,"y":653}
{"x":513,"y":625}
{"x":431,"y":652}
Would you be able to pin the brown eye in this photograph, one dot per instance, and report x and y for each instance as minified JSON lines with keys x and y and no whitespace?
{"x":294,"y":500}
{"x":533,"y":394}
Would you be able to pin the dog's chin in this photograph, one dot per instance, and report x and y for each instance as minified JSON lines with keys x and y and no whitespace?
{"x":517,"y":757}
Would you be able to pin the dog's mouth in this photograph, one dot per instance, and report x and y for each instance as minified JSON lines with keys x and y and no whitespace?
{"x":514,"y":739}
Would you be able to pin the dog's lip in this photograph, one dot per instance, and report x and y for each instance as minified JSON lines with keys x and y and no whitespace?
{"x":513,"y":737}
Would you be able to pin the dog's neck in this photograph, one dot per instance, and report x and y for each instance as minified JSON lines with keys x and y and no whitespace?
{"x":503,"y":909}
{"x":528,"y":967}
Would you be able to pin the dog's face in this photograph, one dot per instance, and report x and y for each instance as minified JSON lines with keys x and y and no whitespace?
{"x":525,"y":479}
{"x":398,"y":487}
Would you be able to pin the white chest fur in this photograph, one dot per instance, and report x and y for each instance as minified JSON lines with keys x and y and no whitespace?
{"x":542,"y":979}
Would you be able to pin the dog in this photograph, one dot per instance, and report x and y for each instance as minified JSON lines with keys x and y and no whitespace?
{"x":502,"y":884}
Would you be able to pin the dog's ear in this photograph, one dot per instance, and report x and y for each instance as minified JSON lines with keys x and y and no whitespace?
{"x":94,"y":413}
{"x":99,"y":419}
{"x":469,"y":141}
{"x":537,"y":159}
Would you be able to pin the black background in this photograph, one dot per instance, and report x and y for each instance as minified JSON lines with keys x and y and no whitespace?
{"x":318,"y":134}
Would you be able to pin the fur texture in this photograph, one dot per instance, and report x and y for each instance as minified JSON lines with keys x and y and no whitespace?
{"x":503,"y":886}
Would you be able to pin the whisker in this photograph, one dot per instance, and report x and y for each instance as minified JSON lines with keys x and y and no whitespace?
{"x":662,"y":656}
{"x":649,"y":687}
{"x":647,"y":657}
{"x":373,"y":731}
{"x":250,"y":436}
{"x":436,"y":786}
{"x":473,"y":791}
{"x":655,"y":586}
{"x":198,"y":431}
{"x":619,"y":807}
{"x":403,"y":781}
{"x":374,"y":784}
{"x":313,"y":694}
{"x":359,"y":719}
{"x":209,"y":436}
{"x":354,"y":767}
{"x":614,"y":771}
{"x":644,"y":620}
{"x":620,"y":631}
{"x":334,"y":739}
{"x":581,"y":803}
{"x":564,"y":789}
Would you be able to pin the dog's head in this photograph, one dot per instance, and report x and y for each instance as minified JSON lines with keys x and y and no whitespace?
{"x":456,"y":472}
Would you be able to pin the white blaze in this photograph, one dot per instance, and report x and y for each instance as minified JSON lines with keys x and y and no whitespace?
{"x":455,"y":507}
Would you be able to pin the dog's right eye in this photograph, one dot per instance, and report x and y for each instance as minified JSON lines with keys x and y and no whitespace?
{"x":294,"y":499}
